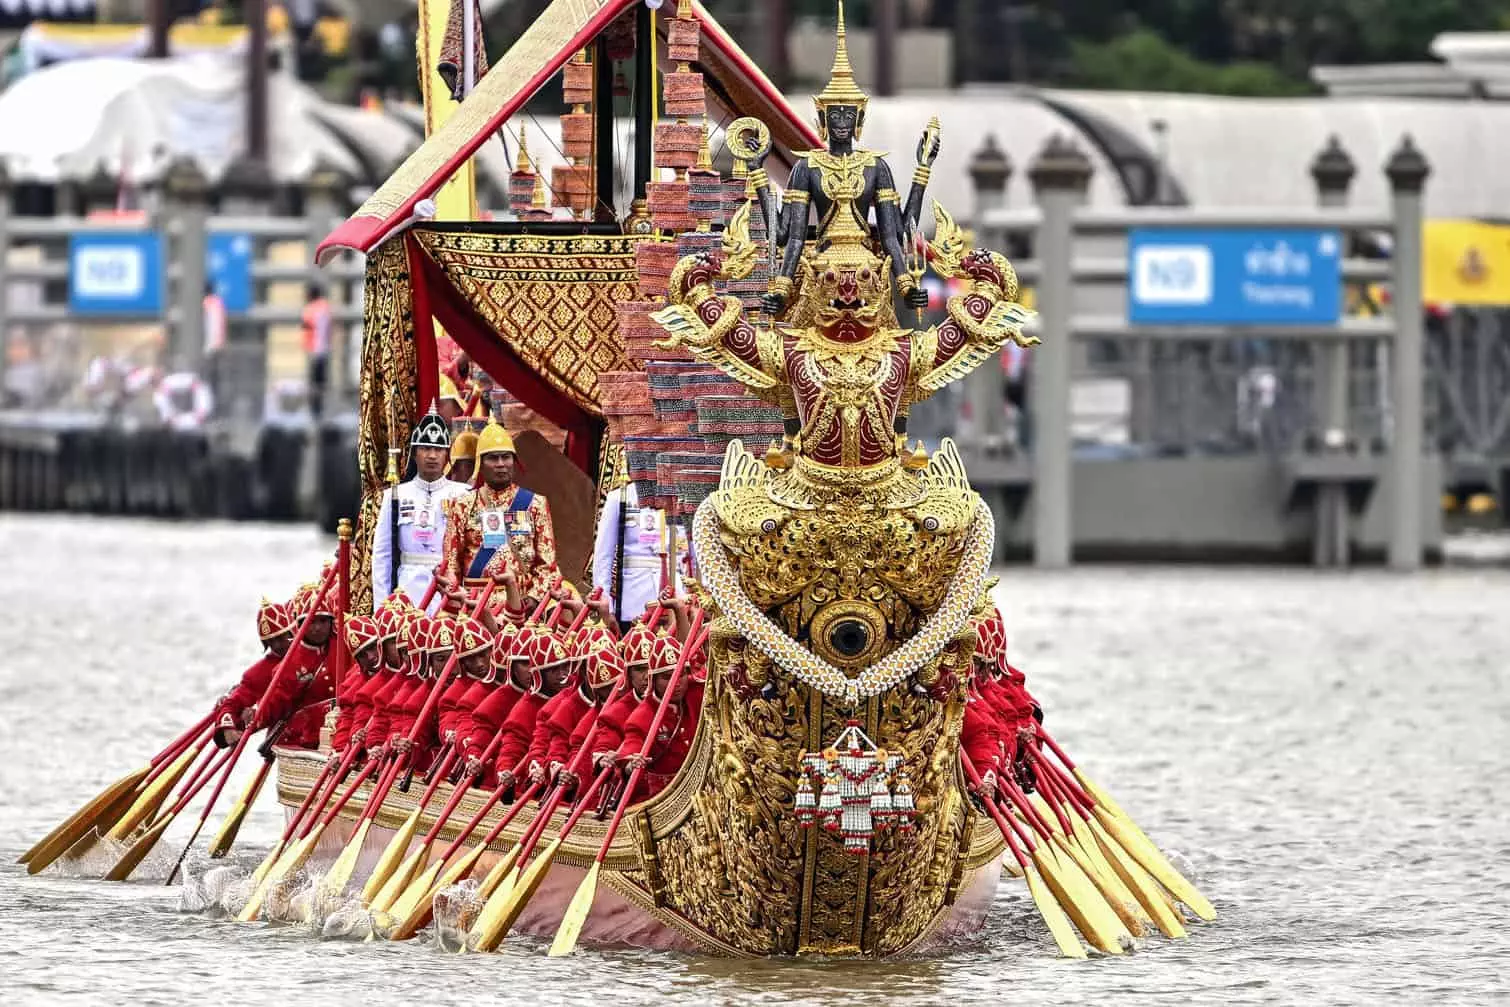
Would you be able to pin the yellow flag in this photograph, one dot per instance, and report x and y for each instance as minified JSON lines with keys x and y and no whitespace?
{"x":1465,"y":262}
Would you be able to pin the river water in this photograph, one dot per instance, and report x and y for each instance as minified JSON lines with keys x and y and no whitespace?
{"x":1328,"y":755}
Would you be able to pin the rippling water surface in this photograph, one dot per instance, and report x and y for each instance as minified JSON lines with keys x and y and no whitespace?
{"x":1328,"y":754}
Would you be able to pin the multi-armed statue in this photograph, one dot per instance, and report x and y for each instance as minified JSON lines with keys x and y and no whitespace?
{"x":843,"y":568}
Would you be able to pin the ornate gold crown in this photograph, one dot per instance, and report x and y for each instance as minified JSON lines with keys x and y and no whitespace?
{"x":841,"y":88}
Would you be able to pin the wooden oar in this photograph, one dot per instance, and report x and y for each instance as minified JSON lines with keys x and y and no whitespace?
{"x":340,"y":872}
{"x":581,"y":901}
{"x":416,"y":906}
{"x":89,"y":814}
{"x":101,"y":813}
{"x":1048,"y":908}
{"x":415,"y":863}
{"x":144,"y":844}
{"x":393,"y":854}
{"x":293,"y":858}
{"x":1120,"y":827}
{"x":226,"y":837}
{"x":534,"y":875}
{"x":309,"y":809}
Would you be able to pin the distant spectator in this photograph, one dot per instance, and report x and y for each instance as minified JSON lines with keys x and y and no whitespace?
{"x":214,"y":338}
{"x":316,"y":324}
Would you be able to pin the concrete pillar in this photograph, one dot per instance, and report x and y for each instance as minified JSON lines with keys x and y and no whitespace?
{"x":186,"y":216}
{"x":1060,"y":176}
{"x":247,"y":189}
{"x":985,"y":389}
{"x":1333,"y":172}
{"x":324,"y":203}
{"x":1407,"y":170}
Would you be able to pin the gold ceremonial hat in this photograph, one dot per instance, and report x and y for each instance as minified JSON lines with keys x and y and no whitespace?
{"x":464,"y":447}
{"x":448,"y":391}
{"x":492,"y":439}
{"x":841,"y":88}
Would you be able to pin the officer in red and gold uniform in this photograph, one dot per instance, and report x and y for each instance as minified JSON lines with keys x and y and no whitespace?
{"x":275,"y":628}
{"x":500,"y":526}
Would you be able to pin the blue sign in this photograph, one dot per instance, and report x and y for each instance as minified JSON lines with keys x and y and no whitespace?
{"x":228,"y":267}
{"x":1256,"y":276}
{"x":115,"y":273}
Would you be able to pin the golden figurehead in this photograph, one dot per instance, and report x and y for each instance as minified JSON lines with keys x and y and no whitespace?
{"x":842,"y":570}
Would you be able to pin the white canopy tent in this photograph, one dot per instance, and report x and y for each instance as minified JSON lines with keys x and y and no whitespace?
{"x":134,"y":116}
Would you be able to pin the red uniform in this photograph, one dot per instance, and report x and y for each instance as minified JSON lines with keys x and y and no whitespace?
{"x":672,"y":741}
{"x":486,"y":719}
{"x":302,"y":694}
{"x":559,"y":721}
{"x":518,"y":730}
{"x":352,"y":712}
{"x":233,"y":711}
{"x":981,"y":736}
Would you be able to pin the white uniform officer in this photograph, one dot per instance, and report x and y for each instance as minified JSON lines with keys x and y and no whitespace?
{"x":419,"y":524}
{"x":646,"y":540}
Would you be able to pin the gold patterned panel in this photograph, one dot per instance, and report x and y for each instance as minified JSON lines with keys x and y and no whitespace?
{"x":550,"y":298}
{"x":388,"y":392}
{"x":544,"y":44}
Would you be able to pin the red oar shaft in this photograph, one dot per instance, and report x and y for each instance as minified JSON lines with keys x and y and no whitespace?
{"x":177,"y":745}
{"x":188,"y":793}
{"x":462,"y":786}
{"x":1004,"y":822}
{"x":346,"y":795}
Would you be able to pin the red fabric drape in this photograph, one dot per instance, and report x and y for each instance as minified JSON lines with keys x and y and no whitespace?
{"x":474,"y":335}
{"x":425,"y":356}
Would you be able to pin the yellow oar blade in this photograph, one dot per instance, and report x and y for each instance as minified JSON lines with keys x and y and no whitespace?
{"x":1143,"y":887}
{"x":1053,"y":915}
{"x":88,"y":817}
{"x":1146,"y":854}
{"x":138,"y":851}
{"x":501,"y":876}
{"x":576,"y":914}
{"x":1110,"y":882}
{"x":226,"y":837}
{"x":413,"y":906}
{"x":152,"y":797}
{"x":1080,"y":902}
{"x":393,"y":855}
{"x":340,"y":872}
{"x":398,"y":881}
{"x":292,"y":859}
{"x":1110,"y":891}
{"x":492,"y":929}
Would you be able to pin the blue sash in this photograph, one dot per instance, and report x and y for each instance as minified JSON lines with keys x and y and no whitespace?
{"x":521,"y":502}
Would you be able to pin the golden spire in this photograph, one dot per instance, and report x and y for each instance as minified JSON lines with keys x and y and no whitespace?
{"x":537,"y":200}
{"x":841,"y":88}
{"x":522,"y":162}
{"x":704,"y":155}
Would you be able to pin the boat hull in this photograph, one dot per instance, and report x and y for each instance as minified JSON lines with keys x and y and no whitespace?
{"x":624,"y":912}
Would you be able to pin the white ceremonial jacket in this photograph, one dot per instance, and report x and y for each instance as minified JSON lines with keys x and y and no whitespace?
{"x":421,"y":534}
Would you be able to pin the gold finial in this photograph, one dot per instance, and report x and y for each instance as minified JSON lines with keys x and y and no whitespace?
{"x":343,"y":529}
{"x":392,"y":474}
{"x":537,"y":199}
{"x":522,"y":162}
{"x":841,"y":88}
{"x":704,"y":155}
{"x":917,"y":459}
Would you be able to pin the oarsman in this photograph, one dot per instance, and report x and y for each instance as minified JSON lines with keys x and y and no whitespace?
{"x":407,"y":539}
{"x":302,"y":694}
{"x":364,"y":640}
{"x":391,"y":617}
{"x":388,"y":706}
{"x":511,"y":668}
{"x":567,"y":726}
{"x":275,"y":628}
{"x":673,"y":740}
{"x":608,"y":735}
{"x":472,"y":684}
{"x":548,"y":659}
{"x":982,"y":734}
{"x":500,"y":526}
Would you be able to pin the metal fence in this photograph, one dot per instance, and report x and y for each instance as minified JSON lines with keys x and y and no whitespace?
{"x":1341,"y":406}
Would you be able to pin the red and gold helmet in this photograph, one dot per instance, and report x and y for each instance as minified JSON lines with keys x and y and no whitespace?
{"x":389,"y":619}
{"x":542,"y":648}
{"x":502,"y":654}
{"x":415,"y":635}
{"x":303,"y":602}
{"x":472,"y":637}
{"x":604,"y":664}
{"x":665,"y":653}
{"x":635,"y":647}
{"x":362,"y":631}
{"x":273,"y":619}
{"x":442,"y":636}
{"x":991,"y":638}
